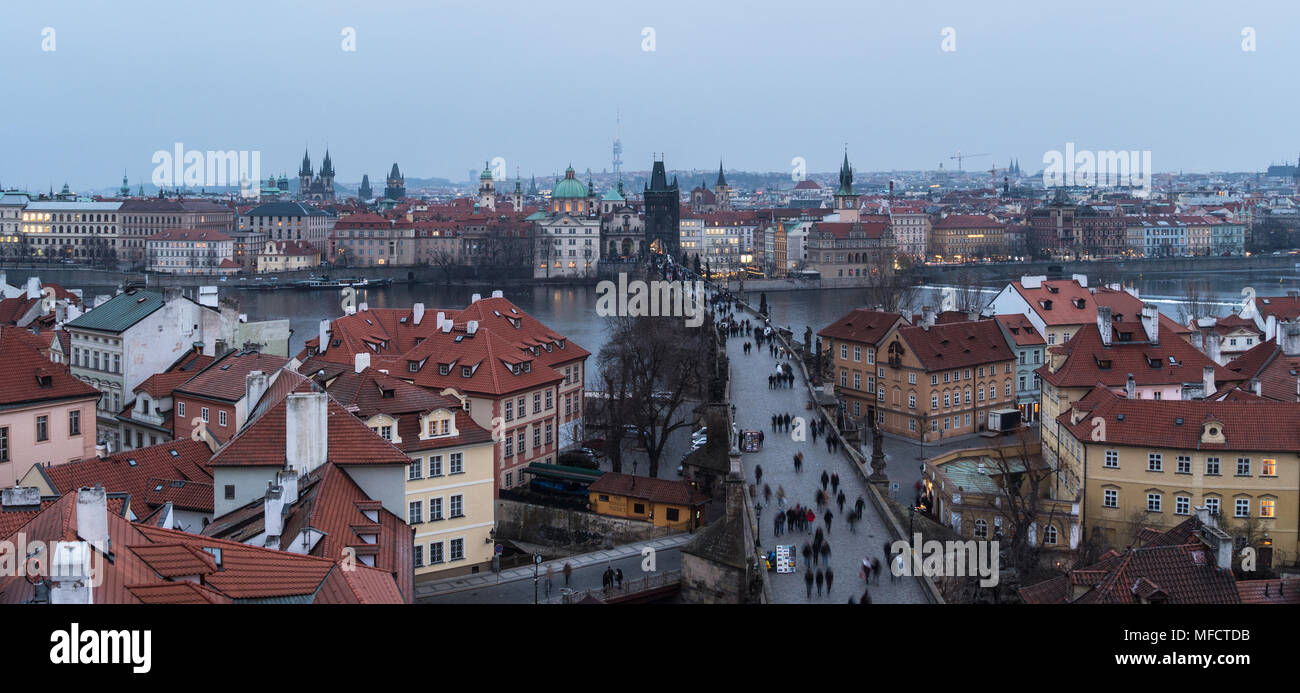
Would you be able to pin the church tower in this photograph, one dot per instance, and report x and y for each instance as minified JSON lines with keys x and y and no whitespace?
{"x":396,"y":184}
{"x":327,"y":177}
{"x":487,"y":197}
{"x":722,"y":191}
{"x":517,"y":197}
{"x":304,"y":175}
{"x":663,"y":212}
{"x":125,"y":190}
{"x":846,"y":201}
{"x":365,"y":192}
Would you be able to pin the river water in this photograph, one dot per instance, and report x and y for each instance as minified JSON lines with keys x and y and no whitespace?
{"x":571,"y":311}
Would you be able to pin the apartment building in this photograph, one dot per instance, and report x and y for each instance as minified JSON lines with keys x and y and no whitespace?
{"x":71,"y":230}
{"x":191,"y":251}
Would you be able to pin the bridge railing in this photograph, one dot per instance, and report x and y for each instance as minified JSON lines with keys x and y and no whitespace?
{"x":630,"y":588}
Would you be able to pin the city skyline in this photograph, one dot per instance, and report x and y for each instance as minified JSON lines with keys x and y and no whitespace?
{"x":544,"y":85}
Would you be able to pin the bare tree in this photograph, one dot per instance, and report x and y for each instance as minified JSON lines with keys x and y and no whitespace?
{"x":1022,"y":481}
{"x":890,"y":291}
{"x":650,"y":366}
{"x":1196,"y":301}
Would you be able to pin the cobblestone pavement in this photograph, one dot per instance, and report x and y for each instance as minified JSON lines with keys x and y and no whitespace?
{"x":755,"y":404}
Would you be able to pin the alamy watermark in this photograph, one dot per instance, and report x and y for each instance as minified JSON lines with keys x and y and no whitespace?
{"x":1093,"y":168}
{"x":211,"y":169}
{"x":935,"y":558}
{"x":639,"y":298}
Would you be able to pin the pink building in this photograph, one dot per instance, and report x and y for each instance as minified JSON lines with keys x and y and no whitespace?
{"x":46,"y":415}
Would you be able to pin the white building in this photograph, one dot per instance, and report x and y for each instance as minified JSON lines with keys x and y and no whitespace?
{"x":71,"y":230}
{"x":566,"y":245}
{"x":191,"y":251}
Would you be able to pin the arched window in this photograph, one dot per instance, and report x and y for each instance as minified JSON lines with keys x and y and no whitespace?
{"x":1049,"y":535}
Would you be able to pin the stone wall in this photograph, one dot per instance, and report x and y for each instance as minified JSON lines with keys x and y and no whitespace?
{"x":709,"y":582}
{"x":573,"y":530}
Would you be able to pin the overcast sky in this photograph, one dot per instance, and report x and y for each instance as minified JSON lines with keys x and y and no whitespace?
{"x":440,"y":87}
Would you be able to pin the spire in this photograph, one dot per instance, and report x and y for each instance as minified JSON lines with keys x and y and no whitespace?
{"x":305,"y":169}
{"x":846,"y":176}
{"x":722,"y":179}
{"x":327,"y":166}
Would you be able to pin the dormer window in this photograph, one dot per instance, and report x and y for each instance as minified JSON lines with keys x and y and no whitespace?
{"x":466,"y":371}
{"x":528,"y":366}
{"x":444,"y":369}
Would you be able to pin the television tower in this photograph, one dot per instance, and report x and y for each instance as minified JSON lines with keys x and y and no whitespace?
{"x":618,"y":144}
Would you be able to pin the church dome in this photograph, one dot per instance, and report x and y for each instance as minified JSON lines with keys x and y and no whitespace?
{"x":569,"y":188}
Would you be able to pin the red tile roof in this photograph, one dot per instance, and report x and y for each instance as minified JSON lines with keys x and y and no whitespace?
{"x":189,"y":235}
{"x":226,"y":378}
{"x":1269,"y":591}
{"x":1020,"y":328}
{"x":1246,"y":425}
{"x":1277,"y":373}
{"x":262,"y":440}
{"x":1284,"y":308}
{"x":862,"y":325}
{"x":373,"y":393}
{"x":138,"y":472}
{"x":957,"y":345}
{"x":1059,"y":302}
{"x":1087,"y":359}
{"x":654,"y":490}
{"x":30,"y":377}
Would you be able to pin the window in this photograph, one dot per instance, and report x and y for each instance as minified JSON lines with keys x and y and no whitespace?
{"x":857,"y":353}
{"x":415,"y":513}
{"x":550,"y":401}
{"x":911,"y":425}
{"x":537,"y":402}
{"x":1110,"y":498}
{"x":510,"y":411}
{"x":435,"y":509}
{"x":510,"y":448}
{"x":1182,"y":505}
{"x":1153,"y":502}
{"x":1155,"y":462}
{"x":844,"y":378}
{"x":1242,"y":507}
{"x":230,"y":492}
{"x":221,"y":420}
{"x":1243,"y":466}
{"x":435,"y":553}
{"x":671,"y":514}
{"x":42,"y":428}
{"x":435,"y":465}
{"x":968,"y":395}
{"x":4,"y":444}
{"x":911,"y":378}
{"x":1184,"y":464}
{"x":1267,"y":507}
{"x":934,"y":426}
{"x":203,"y":413}
{"x":945,"y":377}
{"x":1212,"y":466}
{"x":549,"y":426}
{"x":982,"y":529}
{"x":458,"y":506}
{"x":1212,"y":505}
{"x":419,"y":556}
{"x":457,"y":549}
{"x":1007,"y":394}
{"x":457,"y":463}
{"x":74,"y":423}
{"x":857,"y":381}
{"x":911,"y":400}
{"x":180,"y":409}
{"x":844,"y":352}
{"x":415,"y":469}
{"x":934,"y":380}
{"x":1049,"y":535}
{"x":1269,"y":467}
{"x":871,"y":356}
{"x":947,"y":401}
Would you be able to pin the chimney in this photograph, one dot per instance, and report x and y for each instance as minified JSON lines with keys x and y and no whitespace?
{"x":1082,"y":279}
{"x":1207,"y":380}
{"x":927,"y":317}
{"x":1288,"y":338}
{"x":363,"y":306}
{"x":417,"y":313}
{"x":498,"y":294}
{"x":361,"y":361}
{"x":101,"y":449}
{"x":1151,"y":322}
{"x":20,"y":497}
{"x":92,"y":515}
{"x":441,"y":317}
{"x":71,"y":578}
{"x":324,"y":336}
{"x":1130,"y":387}
{"x":1214,"y":347}
{"x":273,"y":514}
{"x":475,"y":298}
{"x":287,"y":480}
{"x":1033,"y":282}
{"x":1105,"y":324}
{"x":471,"y":327}
{"x":306,"y":441}
{"x":254,"y":387}
{"x":33,"y":288}
{"x":208,"y":296}
{"x":1255,"y":387}
{"x":1270,"y":327}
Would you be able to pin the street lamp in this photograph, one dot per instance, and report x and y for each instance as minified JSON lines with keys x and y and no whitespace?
{"x":537,"y":562}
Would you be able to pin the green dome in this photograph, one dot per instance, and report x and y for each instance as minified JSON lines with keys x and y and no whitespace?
{"x":487,"y":172}
{"x":569,"y":188}
{"x":612,"y":195}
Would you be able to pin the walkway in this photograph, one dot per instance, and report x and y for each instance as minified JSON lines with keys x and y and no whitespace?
{"x":755,"y":405}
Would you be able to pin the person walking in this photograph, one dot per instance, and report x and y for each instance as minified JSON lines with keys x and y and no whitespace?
{"x":866,"y":597}
{"x":808,"y":580}
{"x":897,"y":568}
{"x":825,"y":479}
{"x":780,"y":496}
{"x":618,"y":576}
{"x":758,"y":473}
{"x":767,"y":493}
{"x":859,"y":504}
{"x":821,"y":578}
{"x":568,"y":571}
{"x":839,"y":499}
{"x":830,"y":579}
{"x":875,"y":569}
{"x":852,"y":519}
{"x":828,"y":517}
{"x":864,"y":572}
{"x":807,"y":554}
{"x":550,"y":575}
{"x":826,"y":553}
{"x":809,"y":518}
{"x":776,"y":524}
{"x":835,"y":482}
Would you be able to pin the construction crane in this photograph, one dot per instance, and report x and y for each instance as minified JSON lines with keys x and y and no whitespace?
{"x":961,"y":156}
{"x":993,"y":177}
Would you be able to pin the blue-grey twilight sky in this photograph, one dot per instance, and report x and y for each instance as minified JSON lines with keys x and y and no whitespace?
{"x":442,"y":86}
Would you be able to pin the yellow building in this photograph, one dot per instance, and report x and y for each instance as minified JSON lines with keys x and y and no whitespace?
{"x":661,"y":502}
{"x":281,"y":256}
{"x":449,"y":482}
{"x":1150,"y":463}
